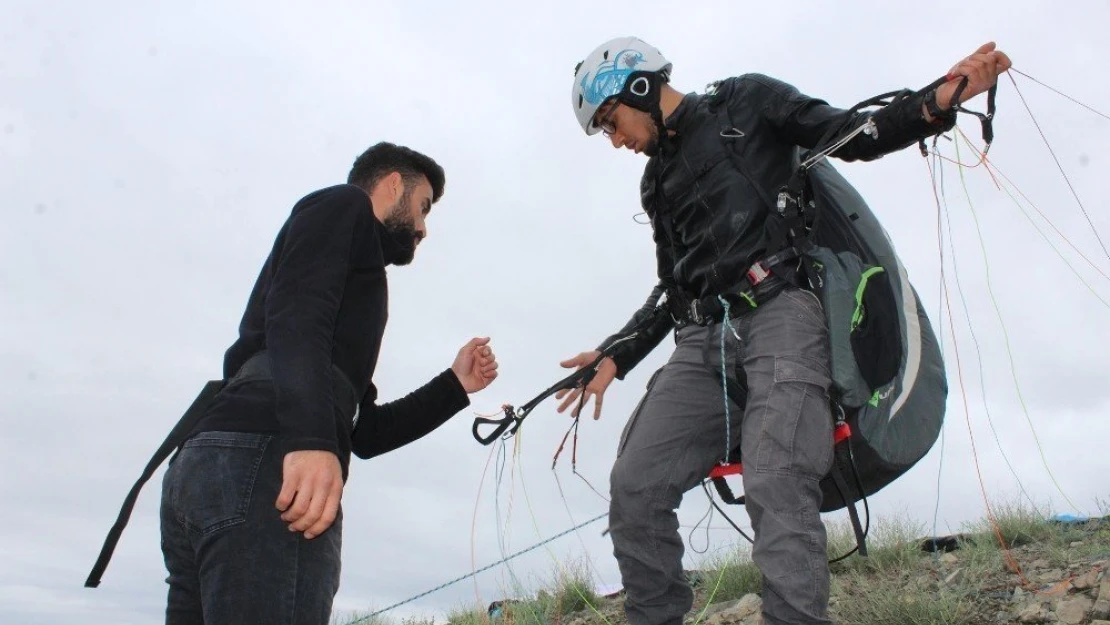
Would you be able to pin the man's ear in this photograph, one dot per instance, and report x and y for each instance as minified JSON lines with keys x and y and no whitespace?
{"x":396,"y":185}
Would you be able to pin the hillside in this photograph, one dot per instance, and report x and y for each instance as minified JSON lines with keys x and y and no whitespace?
{"x":1020,"y":568}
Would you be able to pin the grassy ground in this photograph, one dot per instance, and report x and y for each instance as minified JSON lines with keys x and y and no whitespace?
{"x":897,"y":584}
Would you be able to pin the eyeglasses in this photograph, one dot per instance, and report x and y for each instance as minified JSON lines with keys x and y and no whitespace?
{"x":606,"y":123}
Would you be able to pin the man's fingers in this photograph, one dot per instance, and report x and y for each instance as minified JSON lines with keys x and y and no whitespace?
{"x":985,"y":48}
{"x":326,"y":519}
{"x":329,"y":514}
{"x":312,"y":515}
{"x":324,"y":489}
{"x":570,"y":399}
{"x":300,"y":506}
{"x":597,"y":406}
{"x":285,"y":497}
{"x":1004,"y":62}
{"x":582,"y":404}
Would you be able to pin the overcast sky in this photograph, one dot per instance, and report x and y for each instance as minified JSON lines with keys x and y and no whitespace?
{"x":150,"y":151}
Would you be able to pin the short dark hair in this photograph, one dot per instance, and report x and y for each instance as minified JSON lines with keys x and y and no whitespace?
{"x":383,"y":158}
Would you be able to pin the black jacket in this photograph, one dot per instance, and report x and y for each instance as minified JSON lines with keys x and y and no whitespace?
{"x":708,"y":217}
{"x":320,"y":300}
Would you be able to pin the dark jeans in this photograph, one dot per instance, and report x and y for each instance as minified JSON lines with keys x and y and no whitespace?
{"x":678,"y":433}
{"x":230,"y":557}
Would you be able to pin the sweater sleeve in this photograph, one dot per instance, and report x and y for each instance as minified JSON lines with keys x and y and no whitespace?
{"x":385,"y":427}
{"x":309,"y":275}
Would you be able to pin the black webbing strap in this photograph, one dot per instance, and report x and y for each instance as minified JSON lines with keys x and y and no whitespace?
{"x":726,"y":493}
{"x":255,"y":368}
{"x":173,"y":440}
{"x":841,"y":463}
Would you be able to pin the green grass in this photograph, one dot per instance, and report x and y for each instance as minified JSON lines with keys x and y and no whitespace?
{"x":464,"y":615}
{"x":570,"y":590}
{"x":731,"y":575}
{"x":364,"y":618}
{"x":1015,"y":522}
{"x":889,"y":600}
{"x":893,"y":543}
{"x":361,"y":618}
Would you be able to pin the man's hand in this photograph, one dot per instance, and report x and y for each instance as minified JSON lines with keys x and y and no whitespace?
{"x":311,"y":488}
{"x":606,"y":372}
{"x":475,"y":366}
{"x":982,"y":70}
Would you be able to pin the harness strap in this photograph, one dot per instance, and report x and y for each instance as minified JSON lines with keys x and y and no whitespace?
{"x":726,"y":493}
{"x":174,"y":439}
{"x":705,"y":310}
{"x":841,"y":462}
{"x":256,"y":367}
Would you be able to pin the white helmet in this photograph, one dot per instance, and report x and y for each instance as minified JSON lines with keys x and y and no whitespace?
{"x":624,"y":67}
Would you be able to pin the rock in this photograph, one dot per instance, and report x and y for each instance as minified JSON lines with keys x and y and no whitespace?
{"x":1033,"y":613}
{"x":954,"y":577}
{"x":1019,"y":595}
{"x":1073,"y":610}
{"x":1100,"y":622}
{"x":1104,"y":589}
{"x":734,"y":612}
{"x":949,"y":558}
{"x":1085,"y":581}
{"x":1078,"y":543}
{"x":1050,"y":576}
{"x":1040,"y":564}
{"x":717,"y":608}
{"x":1101,"y":609}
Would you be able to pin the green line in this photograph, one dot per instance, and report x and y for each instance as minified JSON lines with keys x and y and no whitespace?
{"x":1005,"y":332}
{"x":857,"y":316}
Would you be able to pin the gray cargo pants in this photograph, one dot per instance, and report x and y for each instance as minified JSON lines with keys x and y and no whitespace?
{"x":677,"y":434}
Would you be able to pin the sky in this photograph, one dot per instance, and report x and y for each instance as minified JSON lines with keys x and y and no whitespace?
{"x":150,"y":151}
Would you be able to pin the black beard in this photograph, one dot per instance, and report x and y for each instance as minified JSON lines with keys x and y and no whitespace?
{"x":652,"y":146}
{"x":401,"y":229}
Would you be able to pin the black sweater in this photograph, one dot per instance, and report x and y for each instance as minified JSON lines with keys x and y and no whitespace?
{"x":320,"y":300}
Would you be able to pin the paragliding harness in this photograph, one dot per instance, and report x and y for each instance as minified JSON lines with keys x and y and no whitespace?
{"x":797,"y":255}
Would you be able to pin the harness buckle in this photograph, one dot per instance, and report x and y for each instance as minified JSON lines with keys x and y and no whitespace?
{"x":695,"y":315}
{"x":758,"y":273}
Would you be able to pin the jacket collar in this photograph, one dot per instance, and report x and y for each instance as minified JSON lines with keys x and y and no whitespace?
{"x":680,"y":117}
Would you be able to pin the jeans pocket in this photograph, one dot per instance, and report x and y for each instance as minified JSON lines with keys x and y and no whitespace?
{"x":215,"y":474}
